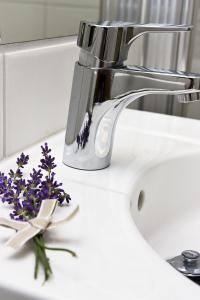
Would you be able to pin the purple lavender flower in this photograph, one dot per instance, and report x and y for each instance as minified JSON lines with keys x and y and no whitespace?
{"x":19,"y":185}
{"x":3,"y":183}
{"x":45,"y":149}
{"x":18,"y":212}
{"x":47,"y":163}
{"x":35,"y":178}
{"x":17,"y":174}
{"x":22,"y":160}
{"x":26,"y":196}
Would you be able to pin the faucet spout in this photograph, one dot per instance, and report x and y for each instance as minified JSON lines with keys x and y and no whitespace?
{"x":106,"y":127}
{"x":94,"y":111}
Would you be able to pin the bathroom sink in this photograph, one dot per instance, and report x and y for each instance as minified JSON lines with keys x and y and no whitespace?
{"x":167,"y":210}
{"x":133,"y":216}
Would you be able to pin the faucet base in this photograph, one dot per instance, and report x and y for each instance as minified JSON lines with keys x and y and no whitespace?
{"x":83,"y":168}
{"x":81,"y":162}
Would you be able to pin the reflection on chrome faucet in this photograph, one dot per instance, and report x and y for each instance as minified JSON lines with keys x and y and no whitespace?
{"x":82,"y":138}
{"x":103,"y":86}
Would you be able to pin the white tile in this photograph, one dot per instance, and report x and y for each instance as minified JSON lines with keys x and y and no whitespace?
{"x":80,"y":3}
{"x":1,"y":106}
{"x":23,"y":1}
{"x":64,"y":20}
{"x":38,"y":87}
{"x":21,"y":21}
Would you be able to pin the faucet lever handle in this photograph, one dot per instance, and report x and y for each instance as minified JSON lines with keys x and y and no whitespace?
{"x":109,"y":41}
{"x":140,"y":29}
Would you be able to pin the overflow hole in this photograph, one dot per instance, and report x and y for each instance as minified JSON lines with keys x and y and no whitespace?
{"x":140,"y":200}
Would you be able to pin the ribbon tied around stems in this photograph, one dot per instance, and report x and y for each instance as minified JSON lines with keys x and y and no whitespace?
{"x":28,"y":229}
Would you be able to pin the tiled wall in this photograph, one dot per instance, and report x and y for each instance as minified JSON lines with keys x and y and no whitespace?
{"x":1,"y":105}
{"x":24,"y":20}
{"x":63,"y":16}
{"x":35,"y":87}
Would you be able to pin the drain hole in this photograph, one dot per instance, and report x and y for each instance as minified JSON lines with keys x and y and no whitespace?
{"x":140,"y":200}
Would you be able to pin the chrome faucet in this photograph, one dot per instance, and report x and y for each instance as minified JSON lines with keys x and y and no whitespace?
{"x":103,"y":86}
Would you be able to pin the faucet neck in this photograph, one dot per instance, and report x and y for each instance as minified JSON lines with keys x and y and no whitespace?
{"x":100,"y":94}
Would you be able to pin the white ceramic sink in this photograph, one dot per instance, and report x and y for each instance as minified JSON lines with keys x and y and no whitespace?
{"x":121,"y":244}
{"x":168,"y":211}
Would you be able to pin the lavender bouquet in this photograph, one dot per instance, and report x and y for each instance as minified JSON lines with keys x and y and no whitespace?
{"x":26,"y":196}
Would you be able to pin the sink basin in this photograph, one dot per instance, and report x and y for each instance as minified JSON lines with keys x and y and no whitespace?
{"x":133,"y":215}
{"x":167,"y":210}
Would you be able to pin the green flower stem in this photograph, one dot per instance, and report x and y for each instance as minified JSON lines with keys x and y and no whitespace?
{"x":36,"y":261}
{"x":41,"y":257}
{"x":62,"y":249}
{"x":45,"y":263}
{"x":56,"y":249}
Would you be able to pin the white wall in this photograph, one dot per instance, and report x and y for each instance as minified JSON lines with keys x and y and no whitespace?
{"x":25,"y":20}
{"x":1,"y":105}
{"x":35,"y":87}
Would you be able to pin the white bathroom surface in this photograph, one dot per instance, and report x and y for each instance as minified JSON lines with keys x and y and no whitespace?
{"x":114,"y":261}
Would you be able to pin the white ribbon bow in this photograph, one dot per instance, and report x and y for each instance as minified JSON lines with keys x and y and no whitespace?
{"x":27,"y":230}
